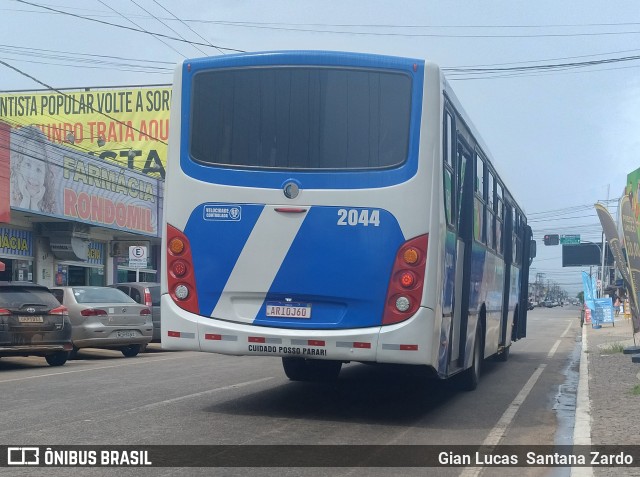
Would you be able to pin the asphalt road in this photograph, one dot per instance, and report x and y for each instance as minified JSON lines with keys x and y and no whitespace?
{"x":192,"y":398}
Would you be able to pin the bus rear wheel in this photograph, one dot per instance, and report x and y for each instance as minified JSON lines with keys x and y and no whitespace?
{"x":470,"y":378}
{"x":300,"y":369}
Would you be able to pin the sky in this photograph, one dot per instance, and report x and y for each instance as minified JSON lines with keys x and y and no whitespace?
{"x":561,"y":137}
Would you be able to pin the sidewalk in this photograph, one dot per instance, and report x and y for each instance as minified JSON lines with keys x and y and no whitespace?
{"x":613,"y":379}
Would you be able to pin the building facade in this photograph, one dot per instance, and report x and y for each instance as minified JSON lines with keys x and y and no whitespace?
{"x":81,"y":188}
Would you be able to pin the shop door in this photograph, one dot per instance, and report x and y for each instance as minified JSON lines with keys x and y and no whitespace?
{"x":77,"y":276}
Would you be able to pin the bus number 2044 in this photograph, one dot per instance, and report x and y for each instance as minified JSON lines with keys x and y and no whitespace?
{"x":354,"y":217}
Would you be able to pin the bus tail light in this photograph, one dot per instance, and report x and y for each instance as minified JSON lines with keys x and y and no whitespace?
{"x":407,"y":278}
{"x":180,"y":278}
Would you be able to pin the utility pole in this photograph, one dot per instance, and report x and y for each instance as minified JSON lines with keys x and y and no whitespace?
{"x":603,"y":284}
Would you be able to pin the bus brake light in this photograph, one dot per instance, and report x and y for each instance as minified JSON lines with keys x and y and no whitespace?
{"x":407,"y":278}
{"x":181,"y":280}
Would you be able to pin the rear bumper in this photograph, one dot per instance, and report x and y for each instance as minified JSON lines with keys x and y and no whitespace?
{"x":34,"y":350}
{"x":107,"y":342}
{"x":95,"y":336}
{"x":409,"y":342}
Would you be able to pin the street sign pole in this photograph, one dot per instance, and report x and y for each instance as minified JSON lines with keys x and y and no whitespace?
{"x":570,"y":239}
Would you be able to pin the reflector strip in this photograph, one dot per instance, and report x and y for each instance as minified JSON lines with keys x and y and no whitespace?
{"x":408,"y":347}
{"x":353,"y":344}
{"x":308,"y":342}
{"x":400,"y":347}
{"x":262,"y":339}
{"x":181,"y":334}
{"x":359,"y":344}
{"x":215,"y":337}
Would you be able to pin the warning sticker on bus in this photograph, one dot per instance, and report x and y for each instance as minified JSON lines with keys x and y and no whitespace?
{"x":288,"y":310}
{"x":222,"y":212}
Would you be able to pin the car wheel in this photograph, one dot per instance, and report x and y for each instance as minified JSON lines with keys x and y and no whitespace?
{"x":131,"y":350}
{"x":58,"y":358}
{"x":300,"y":369}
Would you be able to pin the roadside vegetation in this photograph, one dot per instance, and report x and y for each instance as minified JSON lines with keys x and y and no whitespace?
{"x":612,"y":348}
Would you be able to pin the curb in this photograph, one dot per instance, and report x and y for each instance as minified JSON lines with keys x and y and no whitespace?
{"x":582,"y":427}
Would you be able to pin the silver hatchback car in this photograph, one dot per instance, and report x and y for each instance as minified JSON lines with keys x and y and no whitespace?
{"x":104,"y":317}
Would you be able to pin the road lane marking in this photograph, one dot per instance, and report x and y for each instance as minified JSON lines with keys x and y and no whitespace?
{"x":553,"y":349}
{"x":499,"y":430}
{"x":201,"y":393}
{"x":84,"y":370}
{"x":557,"y":343}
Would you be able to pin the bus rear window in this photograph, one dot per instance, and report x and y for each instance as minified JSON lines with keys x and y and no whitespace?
{"x":300,"y":118}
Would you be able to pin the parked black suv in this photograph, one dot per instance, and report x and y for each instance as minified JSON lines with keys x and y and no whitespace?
{"x":32,"y":322}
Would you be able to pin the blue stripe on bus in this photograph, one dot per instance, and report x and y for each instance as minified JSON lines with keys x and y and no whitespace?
{"x":218,"y":243}
{"x":308,"y":179}
{"x":349,"y":264}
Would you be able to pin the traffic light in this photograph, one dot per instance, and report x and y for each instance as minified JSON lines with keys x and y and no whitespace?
{"x":552,"y":239}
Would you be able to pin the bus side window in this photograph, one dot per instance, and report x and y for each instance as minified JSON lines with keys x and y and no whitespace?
{"x":478,"y":203}
{"x":490,"y":217}
{"x":499,"y":219}
{"x":461,"y":170}
{"x":449,"y":184}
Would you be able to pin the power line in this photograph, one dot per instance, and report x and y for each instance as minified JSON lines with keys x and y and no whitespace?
{"x":124,"y":27}
{"x":328,"y":28}
{"x":185,"y":24}
{"x":145,"y":31}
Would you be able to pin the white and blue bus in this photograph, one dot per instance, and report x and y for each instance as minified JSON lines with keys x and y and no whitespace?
{"x":331,"y":207}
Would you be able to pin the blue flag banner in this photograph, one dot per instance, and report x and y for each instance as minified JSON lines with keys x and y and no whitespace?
{"x":589,"y":290}
{"x":603,"y":312}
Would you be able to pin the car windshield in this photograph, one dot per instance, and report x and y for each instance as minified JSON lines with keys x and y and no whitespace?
{"x":17,"y":296}
{"x":100,"y":295}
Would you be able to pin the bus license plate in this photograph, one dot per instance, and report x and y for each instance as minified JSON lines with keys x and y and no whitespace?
{"x":30,"y":319}
{"x":289,"y":310}
{"x":126,"y":334}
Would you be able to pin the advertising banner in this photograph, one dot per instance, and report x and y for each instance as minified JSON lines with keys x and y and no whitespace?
{"x":630,"y":230}
{"x":15,"y":242}
{"x":5,"y":210}
{"x":128,"y":127}
{"x":611,"y":234}
{"x":57,"y":181}
{"x":589,"y":285}
{"x":603,"y":312}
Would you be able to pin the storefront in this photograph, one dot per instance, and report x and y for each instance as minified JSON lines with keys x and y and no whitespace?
{"x":60,"y":230}
{"x":16,"y":252}
{"x":89,"y":272}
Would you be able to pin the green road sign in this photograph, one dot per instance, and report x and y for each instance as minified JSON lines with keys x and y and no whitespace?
{"x":570,"y":239}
